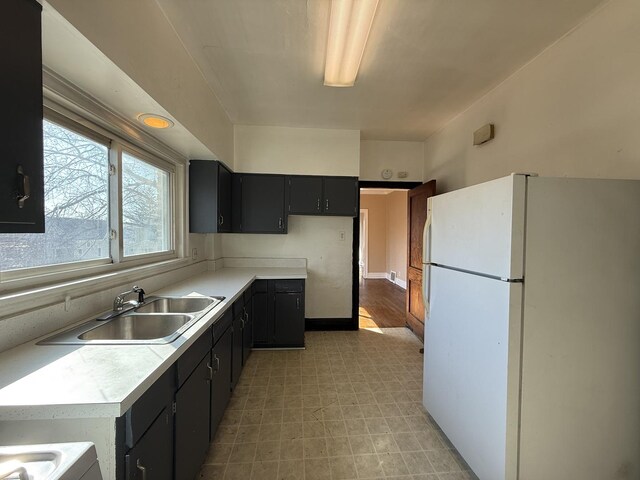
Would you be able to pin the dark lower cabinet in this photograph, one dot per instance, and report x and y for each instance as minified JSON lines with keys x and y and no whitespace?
{"x":289,"y":320}
{"x":262,"y":328}
{"x":236,"y":358}
{"x":247,"y":330}
{"x":278,"y":314}
{"x":152,"y":456}
{"x":220,"y":383}
{"x":191,"y":421}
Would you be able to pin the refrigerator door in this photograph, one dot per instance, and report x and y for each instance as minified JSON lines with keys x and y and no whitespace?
{"x":481,"y":228}
{"x":471,"y":368}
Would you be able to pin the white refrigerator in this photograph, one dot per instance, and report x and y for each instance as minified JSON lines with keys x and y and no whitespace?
{"x":532,"y":326}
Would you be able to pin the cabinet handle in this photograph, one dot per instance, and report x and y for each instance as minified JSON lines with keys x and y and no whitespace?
{"x":280,"y":223}
{"x":217,"y":359}
{"x":326,"y":205}
{"x":298,"y":303}
{"x":221,"y":220}
{"x":210,"y":371}
{"x":142,"y":469}
{"x":24,"y":187}
{"x":318,"y":204}
{"x":246,"y":316}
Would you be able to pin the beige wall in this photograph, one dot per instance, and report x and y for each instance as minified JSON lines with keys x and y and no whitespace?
{"x":138,"y":38}
{"x":397,"y":235}
{"x":387,"y":248}
{"x":572,"y":111}
{"x":328,"y":285}
{"x":377,"y":155}
{"x":315,"y":152}
{"x":376,"y":205}
{"x":309,"y":151}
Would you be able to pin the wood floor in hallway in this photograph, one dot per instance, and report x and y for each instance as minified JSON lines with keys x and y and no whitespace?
{"x":382,"y":304}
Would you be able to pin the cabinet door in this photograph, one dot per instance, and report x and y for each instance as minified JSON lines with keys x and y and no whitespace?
{"x":289,"y":320}
{"x":247,"y":335}
{"x":209,"y":197}
{"x":224,"y":199}
{"x":221,"y":383}
{"x":236,"y":354}
{"x":340,"y":196}
{"x":192,"y":422}
{"x":21,"y":119}
{"x":262,"y":326}
{"x":305,"y":195}
{"x":262,"y":209}
{"x":152,"y":456}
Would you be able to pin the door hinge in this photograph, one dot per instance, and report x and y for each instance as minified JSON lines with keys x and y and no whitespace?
{"x":174,"y":407}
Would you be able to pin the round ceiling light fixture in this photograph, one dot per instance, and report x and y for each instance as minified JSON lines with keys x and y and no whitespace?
{"x":155,"y":121}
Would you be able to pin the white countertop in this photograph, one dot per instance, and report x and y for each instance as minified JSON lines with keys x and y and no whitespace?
{"x":87,"y":381}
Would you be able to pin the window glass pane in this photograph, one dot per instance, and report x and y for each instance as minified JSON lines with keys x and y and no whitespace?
{"x":76,"y":178}
{"x":145,"y":207}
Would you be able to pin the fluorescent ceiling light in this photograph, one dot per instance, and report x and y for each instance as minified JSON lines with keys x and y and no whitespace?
{"x":348,"y":32}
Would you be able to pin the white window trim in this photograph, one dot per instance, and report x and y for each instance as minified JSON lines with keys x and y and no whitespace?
{"x":26,"y":289}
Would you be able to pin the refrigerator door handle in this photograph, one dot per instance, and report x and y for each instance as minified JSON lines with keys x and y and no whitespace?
{"x":426,"y":260}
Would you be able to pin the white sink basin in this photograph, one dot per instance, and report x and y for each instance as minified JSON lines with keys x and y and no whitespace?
{"x":59,"y":461}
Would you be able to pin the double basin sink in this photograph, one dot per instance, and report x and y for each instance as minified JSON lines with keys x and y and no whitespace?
{"x":158,"y":320}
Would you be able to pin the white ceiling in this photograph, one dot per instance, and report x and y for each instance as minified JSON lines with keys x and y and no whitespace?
{"x":426,"y":60}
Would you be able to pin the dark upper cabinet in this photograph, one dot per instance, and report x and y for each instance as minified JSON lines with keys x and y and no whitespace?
{"x":21,"y":161}
{"x":305,"y":195}
{"x":259,"y":203}
{"x":209,"y":197}
{"x":340,"y":196}
{"x":308,"y":195}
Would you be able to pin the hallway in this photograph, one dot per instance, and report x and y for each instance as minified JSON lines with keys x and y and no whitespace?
{"x":382,"y":304}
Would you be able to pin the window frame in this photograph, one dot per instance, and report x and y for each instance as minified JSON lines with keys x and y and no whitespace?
{"x":86,"y":124}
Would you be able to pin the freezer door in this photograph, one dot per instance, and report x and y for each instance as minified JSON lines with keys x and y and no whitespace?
{"x":481,"y":228}
{"x":471,"y":368}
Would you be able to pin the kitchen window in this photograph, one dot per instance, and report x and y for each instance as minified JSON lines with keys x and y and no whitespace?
{"x":106,"y":202}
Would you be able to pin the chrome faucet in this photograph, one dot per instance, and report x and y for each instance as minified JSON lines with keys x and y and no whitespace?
{"x":119,"y":303}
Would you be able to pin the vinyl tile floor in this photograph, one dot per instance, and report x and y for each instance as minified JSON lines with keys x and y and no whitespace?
{"x":349,"y":406}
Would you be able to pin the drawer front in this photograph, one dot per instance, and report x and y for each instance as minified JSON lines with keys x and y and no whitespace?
{"x":221,"y":325}
{"x":259,"y":286}
{"x":191,"y":358}
{"x":248,"y":293}
{"x":288,"y":286}
{"x":142,"y":414}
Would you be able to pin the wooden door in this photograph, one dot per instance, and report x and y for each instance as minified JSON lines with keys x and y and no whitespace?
{"x":417,"y":216}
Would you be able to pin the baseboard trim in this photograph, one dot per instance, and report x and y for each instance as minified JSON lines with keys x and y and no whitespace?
{"x":376,"y":275}
{"x":311,"y":324}
{"x":401,"y":283}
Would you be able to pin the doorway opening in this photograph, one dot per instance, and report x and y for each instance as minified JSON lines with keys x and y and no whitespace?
{"x":380,"y":254}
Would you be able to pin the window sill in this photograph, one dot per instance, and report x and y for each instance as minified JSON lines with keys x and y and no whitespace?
{"x":27,"y":299}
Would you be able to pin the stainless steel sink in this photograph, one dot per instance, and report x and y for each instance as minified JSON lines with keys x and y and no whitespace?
{"x":175,"y":305}
{"x":159,"y":320}
{"x":138,"y":327}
